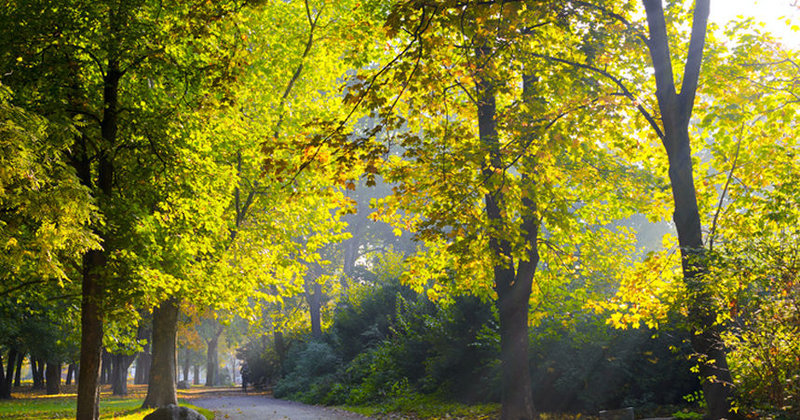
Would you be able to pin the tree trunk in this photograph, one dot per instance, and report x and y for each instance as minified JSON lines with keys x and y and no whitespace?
{"x":53,"y":378}
{"x":119,"y":374}
{"x":18,"y":370}
{"x":37,"y":372}
{"x":106,"y":366}
{"x":512,"y":284}
{"x":70,"y":372}
{"x":186,"y":366}
{"x":12,"y":359}
{"x":143,"y":357}
{"x":280,"y":348}
{"x":5,"y":390}
{"x":91,"y":338}
{"x":143,"y":362}
{"x":161,"y":388}
{"x":676,"y":111}
{"x":212,"y":361}
{"x":196,"y":378}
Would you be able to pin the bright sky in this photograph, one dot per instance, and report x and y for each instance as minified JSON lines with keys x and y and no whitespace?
{"x":773,"y":13}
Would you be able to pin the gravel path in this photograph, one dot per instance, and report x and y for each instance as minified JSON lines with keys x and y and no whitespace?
{"x":251,"y":407}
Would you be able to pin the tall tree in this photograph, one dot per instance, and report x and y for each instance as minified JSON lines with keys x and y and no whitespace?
{"x":676,"y":111}
{"x":495,"y":157}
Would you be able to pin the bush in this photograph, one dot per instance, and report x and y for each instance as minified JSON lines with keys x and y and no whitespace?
{"x":595,"y":367}
{"x":311,"y":368}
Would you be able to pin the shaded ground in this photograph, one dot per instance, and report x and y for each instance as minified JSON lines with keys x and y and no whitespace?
{"x":232,"y":404}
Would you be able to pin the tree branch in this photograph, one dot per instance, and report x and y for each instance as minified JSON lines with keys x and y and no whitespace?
{"x":691,"y":73}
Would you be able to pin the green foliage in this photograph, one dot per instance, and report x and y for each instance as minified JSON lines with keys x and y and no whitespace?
{"x":46,"y":212}
{"x":590,"y":367}
{"x":310,"y":370}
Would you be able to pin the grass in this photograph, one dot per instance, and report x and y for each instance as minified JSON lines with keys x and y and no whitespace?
{"x":430,"y":408}
{"x":30,"y":404}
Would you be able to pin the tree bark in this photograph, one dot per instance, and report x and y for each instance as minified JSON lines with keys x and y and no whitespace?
{"x":5,"y":390}
{"x":119,"y":374}
{"x":196,"y":378}
{"x":53,"y":378}
{"x":106,"y":366}
{"x":9,"y":375}
{"x":512,"y":284}
{"x":186,"y":365}
{"x":91,"y":338}
{"x":161,"y":388}
{"x":18,"y":370}
{"x":280,"y":348}
{"x":37,"y":373}
{"x":70,"y":372}
{"x":676,"y":111}
{"x":212,"y":361}
{"x":143,"y":362}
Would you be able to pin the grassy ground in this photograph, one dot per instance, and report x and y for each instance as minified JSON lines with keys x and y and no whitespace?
{"x":34,"y":404}
{"x":421,"y":407}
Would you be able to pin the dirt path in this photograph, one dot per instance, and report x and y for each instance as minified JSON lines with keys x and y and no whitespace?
{"x":230,"y":406}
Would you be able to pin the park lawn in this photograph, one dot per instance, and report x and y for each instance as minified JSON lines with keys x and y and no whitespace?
{"x":29,"y":404}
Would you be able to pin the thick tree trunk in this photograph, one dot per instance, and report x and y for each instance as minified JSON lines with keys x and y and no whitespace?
{"x":212,"y":361}
{"x":119,"y":374}
{"x":512,"y":284}
{"x":161,"y":388}
{"x":676,"y":111}
{"x":196,"y":378}
{"x":53,"y":378}
{"x":91,"y":338}
{"x":18,"y":370}
{"x":517,"y":397}
{"x":70,"y":372}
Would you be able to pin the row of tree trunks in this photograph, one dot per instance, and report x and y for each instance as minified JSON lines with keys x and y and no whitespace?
{"x":49,"y":375}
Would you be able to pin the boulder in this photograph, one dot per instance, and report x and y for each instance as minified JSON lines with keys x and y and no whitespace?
{"x":173,"y":412}
{"x":182,"y":385}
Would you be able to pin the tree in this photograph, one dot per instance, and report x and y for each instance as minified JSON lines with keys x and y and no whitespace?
{"x":676,"y":111}
{"x":493,"y":142}
{"x":99,"y":63}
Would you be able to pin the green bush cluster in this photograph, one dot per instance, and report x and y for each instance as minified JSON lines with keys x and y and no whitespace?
{"x":389,"y":346}
{"x":388,"y":343}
